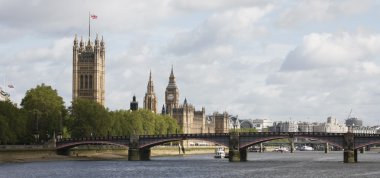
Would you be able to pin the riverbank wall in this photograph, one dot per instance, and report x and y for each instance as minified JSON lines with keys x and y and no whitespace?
{"x":93,"y":152}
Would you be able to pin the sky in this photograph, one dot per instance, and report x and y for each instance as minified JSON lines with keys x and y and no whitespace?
{"x":281,"y":59}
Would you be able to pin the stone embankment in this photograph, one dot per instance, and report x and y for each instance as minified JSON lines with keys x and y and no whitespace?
{"x":39,"y":153}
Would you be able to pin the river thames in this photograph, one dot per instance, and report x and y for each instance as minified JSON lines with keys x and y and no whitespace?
{"x":299,"y":164}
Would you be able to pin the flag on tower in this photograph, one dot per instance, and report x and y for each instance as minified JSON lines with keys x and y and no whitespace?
{"x":94,"y":16}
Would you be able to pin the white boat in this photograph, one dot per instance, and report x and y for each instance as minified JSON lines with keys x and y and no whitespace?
{"x":219,"y":152}
{"x":281,"y":149}
{"x":306,"y":148}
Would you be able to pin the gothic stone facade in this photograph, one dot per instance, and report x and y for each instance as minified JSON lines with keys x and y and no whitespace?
{"x":150,"y":99}
{"x":88,"y":70}
{"x":189,"y":119}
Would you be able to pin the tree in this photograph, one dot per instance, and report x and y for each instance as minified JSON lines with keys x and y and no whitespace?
{"x":13,"y":124}
{"x":45,"y":109}
{"x":88,"y":118}
{"x":141,"y":122}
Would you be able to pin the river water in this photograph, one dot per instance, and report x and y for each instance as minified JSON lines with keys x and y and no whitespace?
{"x":299,"y":164}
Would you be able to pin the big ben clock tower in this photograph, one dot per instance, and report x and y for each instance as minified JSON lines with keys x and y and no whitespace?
{"x":171,"y":94}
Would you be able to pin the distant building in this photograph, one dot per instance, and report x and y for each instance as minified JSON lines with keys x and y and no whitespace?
{"x":355,"y":122}
{"x":222,"y":122}
{"x":150,"y":99}
{"x":306,"y":126}
{"x":234,"y":122}
{"x":365,"y":130}
{"x":260,"y":124}
{"x":287,"y":126}
{"x":134,"y":105}
{"x":190,"y":120}
{"x":210,"y":124}
{"x":331,"y":126}
{"x":88,"y":70}
{"x":246,"y":124}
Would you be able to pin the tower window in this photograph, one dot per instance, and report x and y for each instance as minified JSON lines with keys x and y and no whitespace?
{"x":86,"y":81}
{"x":81,"y":81}
{"x":90,"y":82}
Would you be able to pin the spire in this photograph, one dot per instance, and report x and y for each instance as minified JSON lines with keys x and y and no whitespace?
{"x":150,"y":100}
{"x":185,"y":102}
{"x":150,"y":75}
{"x":172,"y":78}
{"x":96,"y":40}
{"x":89,"y":42}
{"x":163,"y":110}
{"x":134,"y":98}
{"x":150,"y":87}
{"x":81,"y":41}
{"x":102,"y":42}
{"x":171,"y":73}
{"x":75,"y":40}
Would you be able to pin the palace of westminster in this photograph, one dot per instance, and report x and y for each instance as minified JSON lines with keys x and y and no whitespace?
{"x":88,"y":83}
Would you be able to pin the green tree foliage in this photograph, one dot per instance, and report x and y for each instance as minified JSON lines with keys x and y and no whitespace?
{"x":45,"y":110}
{"x":13,"y":124}
{"x":141,"y":122}
{"x":43,"y":113}
{"x":88,"y":118}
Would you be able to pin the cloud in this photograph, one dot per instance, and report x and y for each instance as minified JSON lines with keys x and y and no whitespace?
{"x":320,"y":11}
{"x":331,"y":73}
{"x":227,"y":55}
{"x":220,"y":29}
{"x":215,"y":4}
{"x":332,"y":50}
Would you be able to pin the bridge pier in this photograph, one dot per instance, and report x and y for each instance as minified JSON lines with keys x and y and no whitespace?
{"x":135,"y":153}
{"x":327,"y":148}
{"x":235,"y":154}
{"x":362,"y":150}
{"x":139,"y":154}
{"x":350,"y":154}
{"x":291,"y":145}
{"x":261,"y":147}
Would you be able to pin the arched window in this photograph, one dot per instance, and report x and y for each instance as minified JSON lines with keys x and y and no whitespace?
{"x":86,"y":81}
{"x":81,"y":81}
{"x":90,"y":81}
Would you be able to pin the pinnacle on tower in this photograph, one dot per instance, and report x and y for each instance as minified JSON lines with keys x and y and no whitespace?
{"x":172,"y":77}
{"x":89,"y":42}
{"x":150,"y":99}
{"x":102,"y":42}
{"x":150,"y":75}
{"x":163,"y":110}
{"x":172,"y":73}
{"x":81,"y":41}
{"x":75,"y":39}
{"x":96,"y":40}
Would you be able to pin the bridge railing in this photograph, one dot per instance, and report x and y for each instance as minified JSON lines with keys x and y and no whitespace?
{"x":93,"y":138}
{"x":185,"y":135}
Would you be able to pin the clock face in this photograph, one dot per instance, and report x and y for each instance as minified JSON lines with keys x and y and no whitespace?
{"x":170,"y":97}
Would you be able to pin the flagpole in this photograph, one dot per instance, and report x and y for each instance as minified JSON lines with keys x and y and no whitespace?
{"x":89,"y":32}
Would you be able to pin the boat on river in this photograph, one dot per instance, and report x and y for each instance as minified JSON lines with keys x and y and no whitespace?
{"x":219,"y":152}
{"x":306,"y":148}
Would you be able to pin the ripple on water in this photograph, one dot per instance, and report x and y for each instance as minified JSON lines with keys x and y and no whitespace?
{"x":299,"y":164}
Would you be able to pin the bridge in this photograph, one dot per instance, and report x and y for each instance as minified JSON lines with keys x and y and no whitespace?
{"x":139,"y":145}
